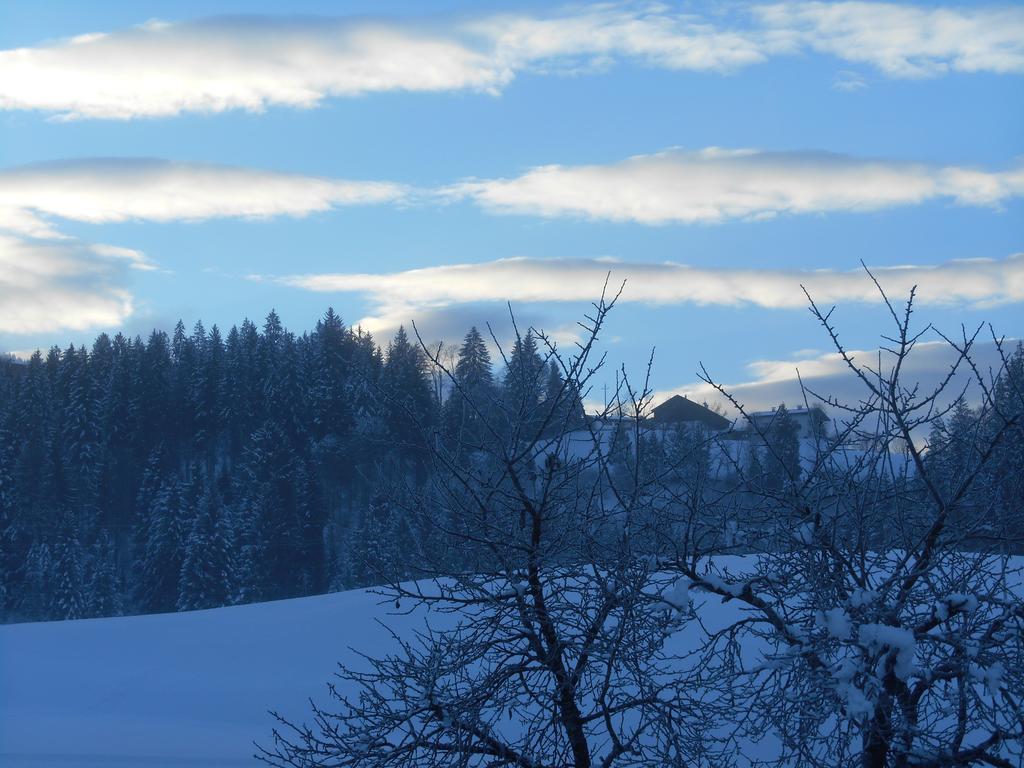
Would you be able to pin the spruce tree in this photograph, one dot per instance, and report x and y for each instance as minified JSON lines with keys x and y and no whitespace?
{"x":781,"y":461}
{"x":473,"y":370}
{"x":465,"y":425}
{"x":157,"y":585}
{"x":36,"y":601}
{"x":103,"y":593}
{"x":524,"y":384}
{"x":205,"y":578}
{"x":273,"y":504}
{"x":13,"y":542}
{"x":408,"y":405}
{"x":332,"y":411}
{"x":68,"y":600}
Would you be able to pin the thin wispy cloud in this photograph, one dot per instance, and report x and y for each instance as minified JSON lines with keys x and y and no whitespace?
{"x":714,"y":185}
{"x":770,"y":382}
{"x":903,"y":40}
{"x":848,"y":82}
{"x":50,"y":281}
{"x":50,"y":286}
{"x":402,"y":296}
{"x":110,"y":190}
{"x":162,"y":68}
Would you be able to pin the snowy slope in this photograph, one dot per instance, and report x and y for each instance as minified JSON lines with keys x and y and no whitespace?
{"x":172,"y":690}
{"x":191,"y":690}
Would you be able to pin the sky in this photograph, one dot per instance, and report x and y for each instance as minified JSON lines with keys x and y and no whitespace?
{"x":404,"y":161}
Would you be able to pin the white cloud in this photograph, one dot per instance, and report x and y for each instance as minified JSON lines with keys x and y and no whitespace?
{"x":400,"y":296}
{"x":902,"y":40}
{"x":848,"y":82}
{"x":212,"y":65}
{"x":593,"y":37}
{"x":115,"y":190}
{"x":713,"y":185}
{"x":772,"y":382}
{"x":136,"y":259}
{"x":59,"y":285}
{"x":703,"y":186}
{"x":251,"y":63}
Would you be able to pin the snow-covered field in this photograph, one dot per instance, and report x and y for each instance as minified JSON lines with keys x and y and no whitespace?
{"x":173,"y":690}
{"x":188,"y":690}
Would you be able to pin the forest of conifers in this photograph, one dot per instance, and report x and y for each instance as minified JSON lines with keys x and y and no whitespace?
{"x":194,"y":470}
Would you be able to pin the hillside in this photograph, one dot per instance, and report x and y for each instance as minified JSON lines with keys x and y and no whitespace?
{"x":192,"y":689}
{"x":171,"y":690}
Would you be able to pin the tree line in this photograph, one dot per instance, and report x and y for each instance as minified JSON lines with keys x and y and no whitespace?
{"x":195,"y":470}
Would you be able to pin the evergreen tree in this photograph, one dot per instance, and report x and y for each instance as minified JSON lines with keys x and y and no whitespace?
{"x":367,"y":366}
{"x":332,"y":409}
{"x":80,"y":425}
{"x":273,"y":507}
{"x":151,"y":393}
{"x":205,"y":578}
{"x":13,"y":542}
{"x":776,"y":466}
{"x":36,"y":601}
{"x":103,"y":594}
{"x":408,"y":405}
{"x":524,"y":384}
{"x":35,"y":488}
{"x":473,"y":369}
{"x":465,"y":426}
{"x":162,"y":558}
{"x":68,"y":598}
{"x":1005,"y":473}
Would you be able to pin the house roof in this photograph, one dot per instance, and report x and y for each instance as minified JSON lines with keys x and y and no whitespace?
{"x":817,"y":411}
{"x":679,"y":408}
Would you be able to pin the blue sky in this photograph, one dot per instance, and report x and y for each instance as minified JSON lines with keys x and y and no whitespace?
{"x":140,"y":182}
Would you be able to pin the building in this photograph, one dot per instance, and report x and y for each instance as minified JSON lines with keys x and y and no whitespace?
{"x":679,"y":409}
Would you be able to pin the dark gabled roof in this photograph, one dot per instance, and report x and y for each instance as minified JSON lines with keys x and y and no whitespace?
{"x":680,"y":409}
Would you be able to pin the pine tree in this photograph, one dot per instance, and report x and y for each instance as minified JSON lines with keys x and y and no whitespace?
{"x":11,"y":540}
{"x":205,"y":578}
{"x":473,"y":369}
{"x":36,"y":600}
{"x":524,"y":383}
{"x":1005,"y":473}
{"x":68,"y":599}
{"x":80,"y":426}
{"x":332,"y":410}
{"x":184,"y":360}
{"x":33,"y":423}
{"x":780,"y":458}
{"x":408,"y":402}
{"x":273,"y":505}
{"x":285,"y":391}
{"x":151,"y":393}
{"x":103,"y":594}
{"x":364,"y":389}
{"x":465,"y":425}
{"x":157,"y":583}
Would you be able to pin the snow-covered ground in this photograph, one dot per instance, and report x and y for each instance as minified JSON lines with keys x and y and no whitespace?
{"x":173,"y":690}
{"x":189,"y":690}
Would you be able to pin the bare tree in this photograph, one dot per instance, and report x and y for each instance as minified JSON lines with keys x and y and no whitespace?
{"x":876,"y":627}
{"x":551,"y":646}
{"x":872,"y":618}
